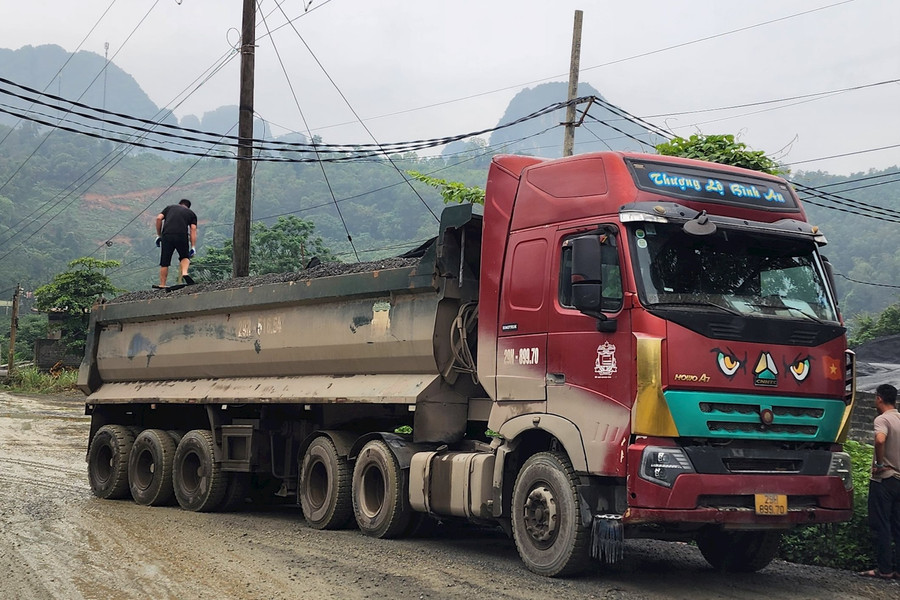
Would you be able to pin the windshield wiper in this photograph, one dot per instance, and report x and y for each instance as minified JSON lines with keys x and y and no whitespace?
{"x":730,"y":311}
{"x":784,"y":306}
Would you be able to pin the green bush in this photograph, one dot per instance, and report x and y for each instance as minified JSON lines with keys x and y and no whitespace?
{"x":33,"y":380}
{"x":839,"y":545}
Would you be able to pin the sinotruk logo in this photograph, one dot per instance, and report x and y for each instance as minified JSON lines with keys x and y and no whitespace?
{"x":766,"y":373}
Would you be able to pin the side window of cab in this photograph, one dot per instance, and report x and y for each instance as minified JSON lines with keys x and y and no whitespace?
{"x":604,"y":269}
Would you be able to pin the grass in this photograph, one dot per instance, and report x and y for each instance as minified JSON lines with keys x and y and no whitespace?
{"x":840,"y":545}
{"x":31,"y":380}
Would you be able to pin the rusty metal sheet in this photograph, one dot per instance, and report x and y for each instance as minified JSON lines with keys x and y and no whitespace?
{"x":315,"y":389}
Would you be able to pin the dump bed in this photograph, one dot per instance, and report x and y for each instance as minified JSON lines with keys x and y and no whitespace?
{"x":372,"y":336}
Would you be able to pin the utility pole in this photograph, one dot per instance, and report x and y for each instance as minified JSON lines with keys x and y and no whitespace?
{"x":574,"y":65}
{"x":243,"y":188}
{"x":14,"y":325}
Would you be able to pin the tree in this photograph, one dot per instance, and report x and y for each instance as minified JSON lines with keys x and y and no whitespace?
{"x":72,"y":293}
{"x":286,"y":246}
{"x":721,"y":149}
{"x":453,"y":192}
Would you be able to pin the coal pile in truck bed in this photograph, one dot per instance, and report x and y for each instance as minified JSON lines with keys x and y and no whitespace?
{"x":328,"y":269}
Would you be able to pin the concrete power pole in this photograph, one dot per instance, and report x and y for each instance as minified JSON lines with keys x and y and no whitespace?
{"x":243,"y":187}
{"x":14,"y":325}
{"x":574,"y":66}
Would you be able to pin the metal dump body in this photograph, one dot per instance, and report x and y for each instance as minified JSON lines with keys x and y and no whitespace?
{"x":364,"y":337}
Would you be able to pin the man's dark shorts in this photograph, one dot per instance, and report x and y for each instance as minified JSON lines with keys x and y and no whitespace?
{"x":171,"y":243}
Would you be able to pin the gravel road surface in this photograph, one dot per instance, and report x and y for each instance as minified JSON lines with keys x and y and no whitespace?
{"x":58,"y":541}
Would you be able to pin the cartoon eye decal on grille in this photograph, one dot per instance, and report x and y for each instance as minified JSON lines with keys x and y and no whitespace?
{"x":800,"y":368}
{"x":728,"y":362}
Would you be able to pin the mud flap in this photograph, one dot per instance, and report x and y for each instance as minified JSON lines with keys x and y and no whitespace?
{"x":608,"y":538}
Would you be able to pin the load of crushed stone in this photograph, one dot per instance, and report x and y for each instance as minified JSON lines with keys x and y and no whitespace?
{"x":328,"y":269}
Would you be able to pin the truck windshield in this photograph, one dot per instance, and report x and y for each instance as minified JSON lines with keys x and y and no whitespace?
{"x":732,"y":271}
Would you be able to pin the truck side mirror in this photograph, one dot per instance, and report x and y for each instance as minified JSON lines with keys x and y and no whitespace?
{"x":829,"y":274}
{"x":587,"y":280}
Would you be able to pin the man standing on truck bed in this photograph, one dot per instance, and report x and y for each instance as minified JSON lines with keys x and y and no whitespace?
{"x":176,"y":229}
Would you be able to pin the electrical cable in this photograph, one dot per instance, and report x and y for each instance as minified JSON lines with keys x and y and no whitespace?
{"x":815,"y":95}
{"x":43,"y":141}
{"x":60,"y":70}
{"x":364,"y":126}
{"x":108,"y":162}
{"x":520,"y":86}
{"x":309,"y":134}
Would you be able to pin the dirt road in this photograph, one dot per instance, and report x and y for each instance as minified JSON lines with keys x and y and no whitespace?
{"x":58,"y":541}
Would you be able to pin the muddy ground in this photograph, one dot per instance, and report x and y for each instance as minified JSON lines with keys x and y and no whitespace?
{"x":58,"y":541}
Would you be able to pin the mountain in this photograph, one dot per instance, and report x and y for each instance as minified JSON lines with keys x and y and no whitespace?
{"x":66,"y":195}
{"x":603,"y":128}
{"x":83,"y":79}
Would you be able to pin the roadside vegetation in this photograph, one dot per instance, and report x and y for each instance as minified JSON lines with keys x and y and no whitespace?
{"x":842,"y":545}
{"x":31,"y":380}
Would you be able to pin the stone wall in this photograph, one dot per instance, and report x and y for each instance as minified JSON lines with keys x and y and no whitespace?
{"x":49,"y":353}
{"x":861,"y":418}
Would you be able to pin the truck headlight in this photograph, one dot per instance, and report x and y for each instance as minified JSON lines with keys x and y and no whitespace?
{"x":662,"y":465}
{"x":841,"y":466}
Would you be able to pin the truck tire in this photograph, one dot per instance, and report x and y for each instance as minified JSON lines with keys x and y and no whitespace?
{"x":150,"y":468}
{"x":546,"y":521}
{"x":738,"y":551}
{"x":325,"y":486}
{"x":380,"y":497}
{"x":108,"y":461}
{"x":176,"y":435}
{"x":198,"y":479}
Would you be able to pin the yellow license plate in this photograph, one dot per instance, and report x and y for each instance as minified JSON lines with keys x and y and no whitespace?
{"x":771,"y":504}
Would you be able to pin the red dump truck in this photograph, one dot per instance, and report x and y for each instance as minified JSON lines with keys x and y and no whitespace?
{"x":621,"y":346}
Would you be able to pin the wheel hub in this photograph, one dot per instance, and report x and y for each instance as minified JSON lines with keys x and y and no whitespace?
{"x":541,"y":515}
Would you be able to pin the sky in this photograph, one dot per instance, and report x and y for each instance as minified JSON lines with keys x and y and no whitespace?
{"x":419,"y":69}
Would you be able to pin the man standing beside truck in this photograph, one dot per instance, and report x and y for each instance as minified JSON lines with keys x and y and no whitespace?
{"x":176,"y":229}
{"x":884,"y":486}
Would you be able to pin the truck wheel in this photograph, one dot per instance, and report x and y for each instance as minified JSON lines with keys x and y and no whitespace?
{"x":108,"y":461}
{"x":546,"y":522}
{"x":380,"y":498}
{"x":176,"y":435}
{"x":198,"y":479}
{"x":738,"y":551}
{"x":150,"y":468}
{"x":325,"y":488}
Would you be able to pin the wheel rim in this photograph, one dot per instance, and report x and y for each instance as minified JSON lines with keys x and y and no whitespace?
{"x":104,"y":463}
{"x":373,"y":491}
{"x":317,"y":485}
{"x":192,"y":473}
{"x":145,"y":470}
{"x":541,"y":516}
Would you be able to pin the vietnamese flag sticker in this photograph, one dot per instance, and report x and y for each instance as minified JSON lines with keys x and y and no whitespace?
{"x":834,"y":368}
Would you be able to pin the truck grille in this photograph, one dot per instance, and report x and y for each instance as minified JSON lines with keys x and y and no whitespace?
{"x":753,"y":409}
{"x":733,"y":427}
{"x":762,"y":465}
{"x":746,"y":502}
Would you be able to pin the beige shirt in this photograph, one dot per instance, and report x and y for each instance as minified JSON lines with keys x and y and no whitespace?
{"x":888,"y":423}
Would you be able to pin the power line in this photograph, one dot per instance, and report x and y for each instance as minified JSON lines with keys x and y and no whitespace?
{"x":375,"y":150}
{"x":884,"y":285}
{"x":306,"y":125}
{"x":60,"y":70}
{"x":606,"y":64}
{"x":814,"y":95}
{"x":43,"y":141}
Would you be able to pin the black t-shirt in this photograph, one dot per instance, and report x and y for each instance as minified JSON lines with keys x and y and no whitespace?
{"x":178,"y":220}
